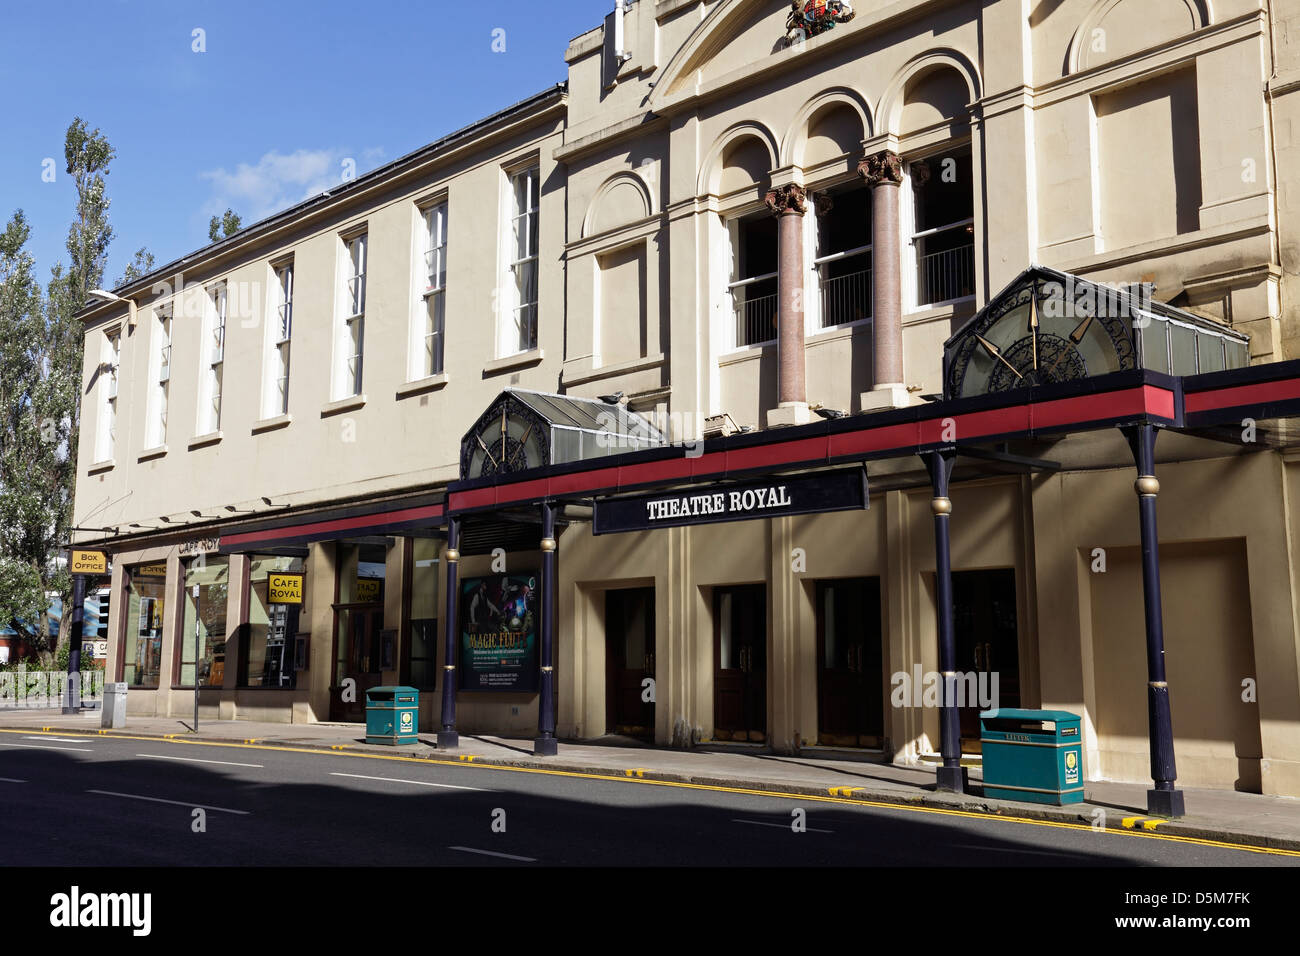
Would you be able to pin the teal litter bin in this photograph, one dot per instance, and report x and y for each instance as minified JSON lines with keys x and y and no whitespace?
{"x":392,"y":714}
{"x":1032,"y":755}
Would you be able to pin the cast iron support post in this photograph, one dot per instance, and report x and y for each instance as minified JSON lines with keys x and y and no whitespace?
{"x":72,"y":683}
{"x":545,"y":745}
{"x":951,"y":776}
{"x":1165,"y":800}
{"x":447,"y":736}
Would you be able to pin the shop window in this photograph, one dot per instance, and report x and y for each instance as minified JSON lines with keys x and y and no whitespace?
{"x":843,"y":257}
{"x":943,"y":228}
{"x":204,"y":629}
{"x":146,"y":599}
{"x":269,"y":660}
{"x":753,"y":286}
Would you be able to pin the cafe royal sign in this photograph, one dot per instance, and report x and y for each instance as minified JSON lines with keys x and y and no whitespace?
{"x":770,"y":498}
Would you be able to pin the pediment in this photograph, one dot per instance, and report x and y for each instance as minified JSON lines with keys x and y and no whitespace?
{"x":737,"y":40}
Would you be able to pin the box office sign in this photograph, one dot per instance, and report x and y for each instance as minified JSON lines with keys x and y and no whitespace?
{"x":282,"y":588}
{"x":88,"y":562}
{"x":708,"y":504}
{"x":498,"y":633}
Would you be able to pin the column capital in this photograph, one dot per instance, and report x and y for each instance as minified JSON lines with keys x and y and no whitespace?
{"x":791,"y":198}
{"x":884,"y":168}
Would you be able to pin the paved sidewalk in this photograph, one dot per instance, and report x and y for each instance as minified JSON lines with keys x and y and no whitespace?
{"x":1221,"y":815}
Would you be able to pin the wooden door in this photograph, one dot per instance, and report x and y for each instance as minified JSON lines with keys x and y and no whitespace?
{"x":630,"y":660}
{"x":986,"y":635}
{"x":850,"y":681}
{"x":356,"y":659}
{"x":740,"y":663}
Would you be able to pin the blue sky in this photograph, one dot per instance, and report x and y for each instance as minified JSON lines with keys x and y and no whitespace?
{"x":285,"y":93}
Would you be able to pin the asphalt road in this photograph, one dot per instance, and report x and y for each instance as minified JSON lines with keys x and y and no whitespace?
{"x":104,"y":801}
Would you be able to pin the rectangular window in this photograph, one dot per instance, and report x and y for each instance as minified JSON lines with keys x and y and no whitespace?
{"x":272,"y":629}
{"x":753,"y":286}
{"x":204,"y":629}
{"x":214,"y":357}
{"x":433,"y":314}
{"x":106,"y":440}
{"x":523,"y":239}
{"x":354,"y":317}
{"x":943,"y":232}
{"x":144,"y":625}
{"x":277,"y":401}
{"x":157,"y":431}
{"x":843,"y":258}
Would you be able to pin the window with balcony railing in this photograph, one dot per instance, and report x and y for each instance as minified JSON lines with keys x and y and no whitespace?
{"x":753,"y":289}
{"x":843,"y":262}
{"x":943,"y":233}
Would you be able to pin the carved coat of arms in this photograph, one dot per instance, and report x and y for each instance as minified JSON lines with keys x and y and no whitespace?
{"x":810,"y":18}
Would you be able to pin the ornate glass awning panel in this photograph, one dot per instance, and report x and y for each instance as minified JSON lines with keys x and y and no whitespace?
{"x":1049,"y":327}
{"x":523,"y":430}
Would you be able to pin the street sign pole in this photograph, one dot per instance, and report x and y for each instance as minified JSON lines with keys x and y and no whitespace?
{"x":197,"y":619}
{"x":72,"y":685}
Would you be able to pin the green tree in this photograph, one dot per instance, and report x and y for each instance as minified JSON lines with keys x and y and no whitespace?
{"x":24,"y":520}
{"x":58,"y":395}
{"x":224,"y":226}
{"x":141,"y":265}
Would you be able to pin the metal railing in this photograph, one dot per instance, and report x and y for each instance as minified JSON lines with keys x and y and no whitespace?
{"x":846,"y":299}
{"x":944,"y":275}
{"x":755,"y":315}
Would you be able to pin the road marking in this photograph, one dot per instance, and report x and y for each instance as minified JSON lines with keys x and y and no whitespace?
{"x":11,"y":780}
{"x":62,"y":740}
{"x":504,"y":856}
{"x":224,"y":763}
{"x":635,"y":771}
{"x":843,"y":791}
{"x":418,"y":783}
{"x":175,"y":803}
{"x":775,"y":794}
{"x":84,"y":750}
{"x":1003,"y":849}
{"x":779,"y":826}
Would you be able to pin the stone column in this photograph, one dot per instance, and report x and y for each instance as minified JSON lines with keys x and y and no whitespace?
{"x":789,"y":203}
{"x":883,"y":171}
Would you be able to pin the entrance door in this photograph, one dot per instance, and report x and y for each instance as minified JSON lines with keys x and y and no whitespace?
{"x":356,"y":657}
{"x":630,"y":659}
{"x":850,"y":682}
{"x":740,"y":663}
{"x":984,"y":625}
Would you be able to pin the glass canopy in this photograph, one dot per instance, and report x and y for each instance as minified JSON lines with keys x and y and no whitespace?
{"x":1048,"y":327}
{"x":523,"y":430}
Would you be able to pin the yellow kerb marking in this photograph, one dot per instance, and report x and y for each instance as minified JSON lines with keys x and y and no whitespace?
{"x":1128,"y":823}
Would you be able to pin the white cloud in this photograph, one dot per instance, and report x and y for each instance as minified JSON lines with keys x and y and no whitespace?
{"x":278,"y":180}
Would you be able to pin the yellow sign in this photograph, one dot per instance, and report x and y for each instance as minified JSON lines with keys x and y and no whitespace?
{"x":88,"y":562}
{"x":368,"y":590}
{"x":150,"y":570}
{"x":284,"y":588}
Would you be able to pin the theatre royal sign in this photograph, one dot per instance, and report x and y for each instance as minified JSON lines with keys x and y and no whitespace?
{"x":739,"y":501}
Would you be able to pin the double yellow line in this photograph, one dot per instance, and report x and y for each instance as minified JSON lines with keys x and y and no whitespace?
{"x":835,"y":795}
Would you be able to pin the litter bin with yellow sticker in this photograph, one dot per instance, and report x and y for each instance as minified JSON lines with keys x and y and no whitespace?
{"x":1032,"y":755}
{"x":392,"y":714}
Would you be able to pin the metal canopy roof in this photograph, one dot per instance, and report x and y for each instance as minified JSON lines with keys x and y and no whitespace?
{"x":566,"y":428}
{"x":1145,"y":333}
